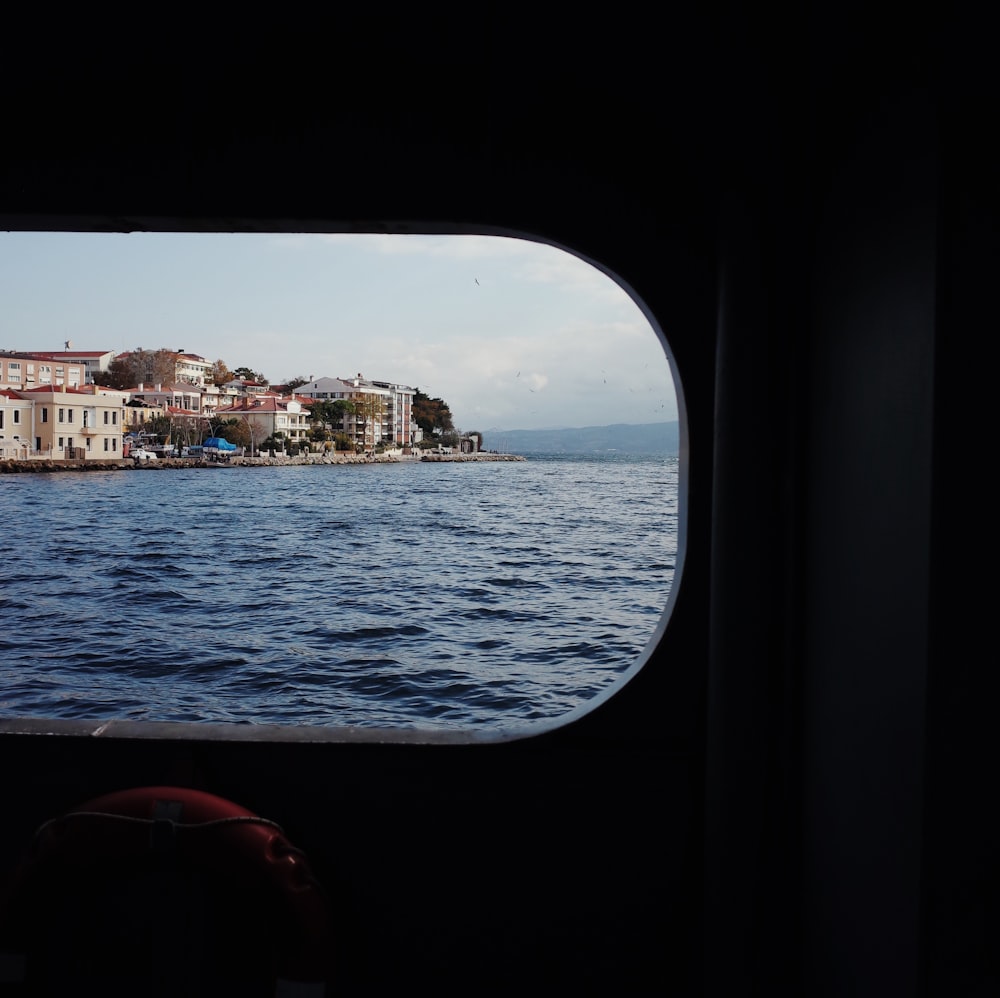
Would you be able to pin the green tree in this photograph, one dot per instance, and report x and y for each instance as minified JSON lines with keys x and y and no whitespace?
{"x":160,"y":425}
{"x":235,"y":431}
{"x":275,"y":442}
{"x":432,"y":415}
{"x":248,"y":374}
{"x":328,"y":415}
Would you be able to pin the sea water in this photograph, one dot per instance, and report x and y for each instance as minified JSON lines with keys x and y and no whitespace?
{"x":410,"y":595}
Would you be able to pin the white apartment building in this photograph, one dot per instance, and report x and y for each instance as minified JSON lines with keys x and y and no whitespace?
{"x":396,"y":417}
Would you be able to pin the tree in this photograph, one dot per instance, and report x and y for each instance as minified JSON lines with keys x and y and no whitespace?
{"x":248,"y":374}
{"x":432,"y":415}
{"x":149,"y":367}
{"x":369,"y":410}
{"x":119,"y":374}
{"x":235,"y":431}
{"x":159,"y":425}
{"x":295,"y":382}
{"x":220,"y":373}
{"x":328,"y":415}
{"x":257,"y":429}
{"x":185,"y":429}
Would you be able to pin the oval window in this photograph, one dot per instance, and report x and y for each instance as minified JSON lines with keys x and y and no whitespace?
{"x":387,"y":481}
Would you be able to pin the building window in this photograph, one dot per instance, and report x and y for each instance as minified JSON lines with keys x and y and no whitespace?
{"x":69,"y":415}
{"x":17,"y":416}
{"x":114,"y":445}
{"x":45,"y":414}
{"x":62,"y":415}
{"x":105,"y":417}
{"x":62,"y":442}
{"x":106,"y":444}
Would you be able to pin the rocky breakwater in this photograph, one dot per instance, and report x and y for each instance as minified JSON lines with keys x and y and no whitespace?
{"x":42,"y":466}
{"x":458,"y":458}
{"x":171,"y":463}
{"x":38,"y":465}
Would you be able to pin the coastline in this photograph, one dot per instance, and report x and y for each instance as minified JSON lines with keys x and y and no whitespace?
{"x":48,"y":466}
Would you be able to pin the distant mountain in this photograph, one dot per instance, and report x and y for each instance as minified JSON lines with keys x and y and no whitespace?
{"x":625,"y":438}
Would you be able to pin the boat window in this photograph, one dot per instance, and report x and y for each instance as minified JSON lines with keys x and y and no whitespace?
{"x":404,"y":483}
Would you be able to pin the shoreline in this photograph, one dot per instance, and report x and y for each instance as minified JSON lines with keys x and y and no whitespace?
{"x":49,"y":466}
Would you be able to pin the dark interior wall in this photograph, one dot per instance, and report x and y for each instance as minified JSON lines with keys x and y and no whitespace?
{"x":867,"y":566}
{"x":793,"y":797}
{"x":960,"y":914}
{"x":569,"y":861}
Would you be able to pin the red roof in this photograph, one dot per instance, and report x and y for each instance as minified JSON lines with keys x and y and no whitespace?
{"x":58,"y":389}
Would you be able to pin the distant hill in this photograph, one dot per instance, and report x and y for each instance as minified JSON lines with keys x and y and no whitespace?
{"x":625,"y":438}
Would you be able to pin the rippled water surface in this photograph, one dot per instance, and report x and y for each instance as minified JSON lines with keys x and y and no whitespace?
{"x":401,"y":595}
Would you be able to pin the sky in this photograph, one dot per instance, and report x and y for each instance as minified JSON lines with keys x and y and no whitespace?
{"x":511,"y":333}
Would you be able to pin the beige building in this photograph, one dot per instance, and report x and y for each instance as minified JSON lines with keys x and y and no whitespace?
{"x":94,"y":362}
{"x":180,"y":395}
{"x":138,"y":413}
{"x":22,"y":371}
{"x":78,"y":424}
{"x":15,"y":426}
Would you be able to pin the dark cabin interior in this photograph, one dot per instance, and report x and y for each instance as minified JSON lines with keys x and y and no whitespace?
{"x":792,"y":797}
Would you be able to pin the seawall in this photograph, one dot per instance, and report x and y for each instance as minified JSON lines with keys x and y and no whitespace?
{"x":42,"y":466}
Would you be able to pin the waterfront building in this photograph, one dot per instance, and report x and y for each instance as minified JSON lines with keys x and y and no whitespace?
{"x":267,"y":416}
{"x":384,"y":410}
{"x":15,"y":426}
{"x":74,"y":423}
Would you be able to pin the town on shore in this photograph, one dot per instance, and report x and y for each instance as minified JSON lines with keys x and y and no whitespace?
{"x":169,"y":408}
